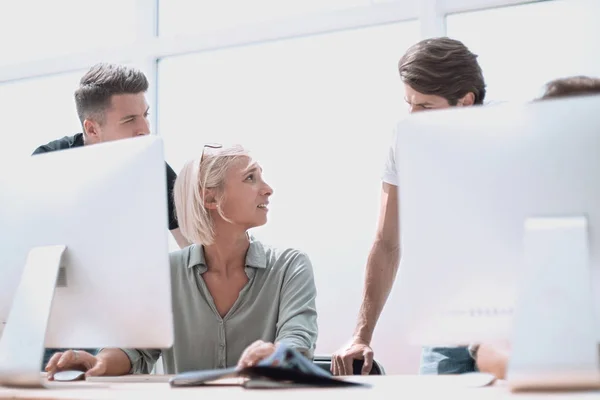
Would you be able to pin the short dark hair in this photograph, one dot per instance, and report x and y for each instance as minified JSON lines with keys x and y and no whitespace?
{"x":443,"y":67}
{"x":100,"y":83}
{"x":571,"y":86}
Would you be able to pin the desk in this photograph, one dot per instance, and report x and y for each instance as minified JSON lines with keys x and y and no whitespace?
{"x":383,"y":387}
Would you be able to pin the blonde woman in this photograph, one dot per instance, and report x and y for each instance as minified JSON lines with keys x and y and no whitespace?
{"x":234,"y":298}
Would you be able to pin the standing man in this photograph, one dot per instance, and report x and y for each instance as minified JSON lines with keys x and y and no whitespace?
{"x":437,"y":73}
{"x":111,"y":105}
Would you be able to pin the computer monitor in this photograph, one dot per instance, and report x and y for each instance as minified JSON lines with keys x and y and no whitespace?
{"x":500,"y":234}
{"x":91,"y":222}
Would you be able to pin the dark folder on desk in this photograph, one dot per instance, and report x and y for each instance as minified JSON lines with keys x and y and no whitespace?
{"x":286,"y":367}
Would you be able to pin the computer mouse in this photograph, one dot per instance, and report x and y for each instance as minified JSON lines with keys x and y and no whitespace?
{"x":69,"y":376}
{"x":477,"y":379}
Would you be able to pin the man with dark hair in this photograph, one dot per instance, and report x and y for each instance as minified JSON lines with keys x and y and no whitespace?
{"x":571,"y":86}
{"x":445,"y":69}
{"x":437,"y":73}
{"x":111,"y":105}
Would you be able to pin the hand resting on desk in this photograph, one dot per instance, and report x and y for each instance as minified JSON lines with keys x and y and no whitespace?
{"x":111,"y":362}
{"x":255,"y":353}
{"x":114,"y":362}
{"x":343,"y":359}
{"x":493,"y":358}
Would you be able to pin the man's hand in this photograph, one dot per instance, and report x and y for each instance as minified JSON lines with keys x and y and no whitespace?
{"x":75,"y":359}
{"x":493,"y":358}
{"x":342,"y":360}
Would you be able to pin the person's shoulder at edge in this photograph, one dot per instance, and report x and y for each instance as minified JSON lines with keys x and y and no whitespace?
{"x":390,"y":172}
{"x":66,"y":142}
{"x":170,"y":171}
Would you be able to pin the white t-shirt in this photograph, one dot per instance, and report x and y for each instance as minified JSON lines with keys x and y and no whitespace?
{"x":390,"y":172}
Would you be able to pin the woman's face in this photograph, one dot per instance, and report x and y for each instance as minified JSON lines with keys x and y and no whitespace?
{"x":246,"y":194}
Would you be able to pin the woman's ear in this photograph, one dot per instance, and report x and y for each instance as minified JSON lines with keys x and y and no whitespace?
{"x":468,"y":99}
{"x":210,"y":201}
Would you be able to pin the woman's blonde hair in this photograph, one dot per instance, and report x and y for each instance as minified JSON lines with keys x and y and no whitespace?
{"x":196,"y":177}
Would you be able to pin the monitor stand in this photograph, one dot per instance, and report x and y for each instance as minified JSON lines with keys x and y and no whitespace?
{"x":554,"y":342}
{"x":23,"y":341}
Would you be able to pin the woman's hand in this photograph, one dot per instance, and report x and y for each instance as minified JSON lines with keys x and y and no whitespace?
{"x":75,"y":360}
{"x":256,"y":352}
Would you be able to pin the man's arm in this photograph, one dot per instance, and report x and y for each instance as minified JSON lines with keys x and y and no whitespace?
{"x":382,"y":266}
{"x":493,"y":358}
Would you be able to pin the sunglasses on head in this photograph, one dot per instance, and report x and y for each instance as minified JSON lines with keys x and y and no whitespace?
{"x":209,"y":146}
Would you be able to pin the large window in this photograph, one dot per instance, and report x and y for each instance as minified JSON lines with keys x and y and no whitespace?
{"x":193,"y":16}
{"x":36,"y":111}
{"x":32,"y":29}
{"x":523,"y":47}
{"x":318,"y":113}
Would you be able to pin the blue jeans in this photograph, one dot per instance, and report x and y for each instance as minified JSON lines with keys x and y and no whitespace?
{"x":446,"y":360}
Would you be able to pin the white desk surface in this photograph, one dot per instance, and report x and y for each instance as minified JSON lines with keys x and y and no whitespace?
{"x":388,"y":386}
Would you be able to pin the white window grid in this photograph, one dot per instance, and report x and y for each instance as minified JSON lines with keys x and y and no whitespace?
{"x":149,"y":47}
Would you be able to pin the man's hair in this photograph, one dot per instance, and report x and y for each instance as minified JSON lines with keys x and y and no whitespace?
{"x":571,"y":86}
{"x":100,"y":83}
{"x":443,"y":67}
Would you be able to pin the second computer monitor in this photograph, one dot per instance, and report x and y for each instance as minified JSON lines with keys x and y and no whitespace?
{"x":485,"y":193}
